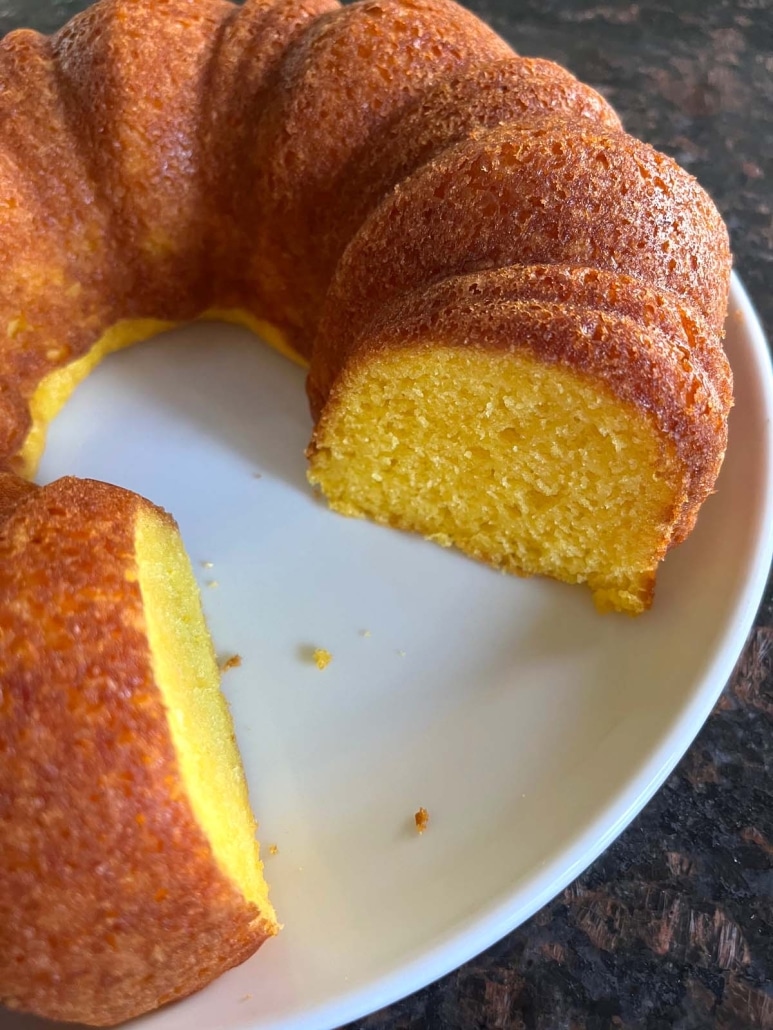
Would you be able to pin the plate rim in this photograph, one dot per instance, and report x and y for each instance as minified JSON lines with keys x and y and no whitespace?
{"x":487,"y":927}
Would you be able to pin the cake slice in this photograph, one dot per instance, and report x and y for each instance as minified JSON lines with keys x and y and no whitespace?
{"x":538,"y":434}
{"x":130,"y":874}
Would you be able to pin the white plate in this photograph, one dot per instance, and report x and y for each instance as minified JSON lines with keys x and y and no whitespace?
{"x":531,"y":728}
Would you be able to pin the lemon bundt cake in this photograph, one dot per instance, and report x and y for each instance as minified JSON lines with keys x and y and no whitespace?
{"x":511,"y":312}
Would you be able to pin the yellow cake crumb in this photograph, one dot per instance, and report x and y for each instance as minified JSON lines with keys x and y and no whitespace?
{"x":421,"y":818}
{"x":401,"y":654}
{"x":577,"y":482}
{"x":273,"y":849}
{"x":231,"y":663}
{"x":365,"y":633}
{"x":213,"y":583}
{"x":207,"y":565}
{"x":322,"y":658}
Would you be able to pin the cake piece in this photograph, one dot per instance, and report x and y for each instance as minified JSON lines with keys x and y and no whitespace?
{"x":130,"y":873}
{"x":538,"y":435}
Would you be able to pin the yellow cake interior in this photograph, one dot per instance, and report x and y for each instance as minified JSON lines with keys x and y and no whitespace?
{"x":529,"y":467}
{"x":201,"y":728}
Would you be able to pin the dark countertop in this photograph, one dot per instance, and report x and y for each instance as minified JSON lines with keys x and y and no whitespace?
{"x":673,"y":926}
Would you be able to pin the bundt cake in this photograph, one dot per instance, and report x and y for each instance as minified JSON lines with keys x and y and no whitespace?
{"x":511,"y":312}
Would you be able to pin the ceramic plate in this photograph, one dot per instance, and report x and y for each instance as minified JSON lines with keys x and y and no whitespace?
{"x":530,"y":728}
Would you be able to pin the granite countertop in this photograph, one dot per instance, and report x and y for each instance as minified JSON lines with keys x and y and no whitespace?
{"x":673,"y":926}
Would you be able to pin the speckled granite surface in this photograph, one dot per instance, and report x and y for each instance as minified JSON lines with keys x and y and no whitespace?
{"x":673,"y":926}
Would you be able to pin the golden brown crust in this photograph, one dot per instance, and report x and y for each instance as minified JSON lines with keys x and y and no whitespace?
{"x":318,"y":120}
{"x":545,"y":193}
{"x":15,"y":418}
{"x":146,"y":157}
{"x":242,"y":73}
{"x":110,"y":900}
{"x":13,"y":490}
{"x":55,"y":292}
{"x":641,"y":365}
{"x":484,"y":94}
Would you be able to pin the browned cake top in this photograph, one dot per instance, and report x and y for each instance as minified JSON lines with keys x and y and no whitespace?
{"x":243,"y":72}
{"x":55,"y":290}
{"x":143,"y":153}
{"x":352,"y":72}
{"x":548,"y":192}
{"x":482,"y":95}
{"x":13,"y":490}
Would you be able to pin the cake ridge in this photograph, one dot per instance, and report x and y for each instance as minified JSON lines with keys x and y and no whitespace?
{"x":602,"y":290}
{"x":424,"y":251}
{"x":453,"y":108}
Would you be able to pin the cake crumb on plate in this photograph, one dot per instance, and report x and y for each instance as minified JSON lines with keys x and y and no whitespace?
{"x":231,"y":663}
{"x":421,"y":818}
{"x":322,"y":658}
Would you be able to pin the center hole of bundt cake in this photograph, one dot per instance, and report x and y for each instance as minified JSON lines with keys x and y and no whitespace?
{"x":525,"y":465}
{"x":54,"y":389}
{"x":202,"y":732}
